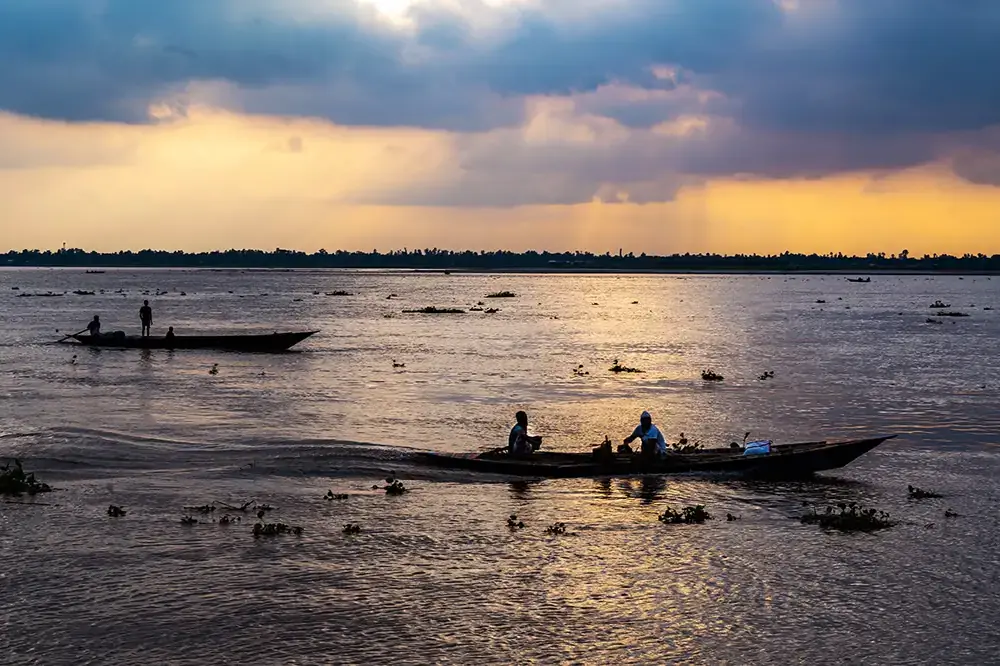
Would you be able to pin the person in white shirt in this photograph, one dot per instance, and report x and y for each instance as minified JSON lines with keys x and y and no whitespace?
{"x":652,"y":439}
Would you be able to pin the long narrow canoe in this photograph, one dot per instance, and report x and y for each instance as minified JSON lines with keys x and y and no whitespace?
{"x":269,"y":342}
{"x":784,"y":461}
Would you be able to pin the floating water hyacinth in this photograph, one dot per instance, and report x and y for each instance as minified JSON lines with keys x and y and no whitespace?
{"x":274,"y":529}
{"x":918,"y":493}
{"x":617,"y":367}
{"x":851,"y":518}
{"x":689,"y":515}
{"x":15,"y":481}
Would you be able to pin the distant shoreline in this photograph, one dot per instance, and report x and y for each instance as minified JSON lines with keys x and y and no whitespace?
{"x":501,"y":261}
{"x":526,"y":271}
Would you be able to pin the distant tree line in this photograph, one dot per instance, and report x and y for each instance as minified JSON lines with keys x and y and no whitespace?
{"x":436,"y":259}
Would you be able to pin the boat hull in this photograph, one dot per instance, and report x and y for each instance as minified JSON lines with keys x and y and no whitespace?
{"x":787,"y":461}
{"x":270,"y":342}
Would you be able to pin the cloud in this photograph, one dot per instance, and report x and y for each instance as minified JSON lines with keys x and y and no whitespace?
{"x":549,"y":101}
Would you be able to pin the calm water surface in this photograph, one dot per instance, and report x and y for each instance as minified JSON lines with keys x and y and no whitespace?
{"x":435,"y":576}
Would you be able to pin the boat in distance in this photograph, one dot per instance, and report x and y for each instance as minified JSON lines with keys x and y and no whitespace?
{"x":267,"y":342}
{"x":786,"y":461}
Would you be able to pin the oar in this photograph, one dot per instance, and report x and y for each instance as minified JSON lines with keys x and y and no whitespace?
{"x":70,"y":336}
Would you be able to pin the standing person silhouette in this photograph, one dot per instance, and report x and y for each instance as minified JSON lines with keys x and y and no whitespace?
{"x":146,"y":317}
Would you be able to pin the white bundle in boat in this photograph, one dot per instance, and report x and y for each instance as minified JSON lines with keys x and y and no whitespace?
{"x":757,"y":448}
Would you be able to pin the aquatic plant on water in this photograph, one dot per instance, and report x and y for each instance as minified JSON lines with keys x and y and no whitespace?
{"x":850,"y":518}
{"x":116,"y":511}
{"x":918,"y":493}
{"x":513,"y":523}
{"x":502,"y":294}
{"x":689,"y":515}
{"x":618,"y":367}
{"x":393,"y":486}
{"x":274,"y":529}
{"x":711,"y":376}
{"x":14,"y":481}
{"x":430,"y":309}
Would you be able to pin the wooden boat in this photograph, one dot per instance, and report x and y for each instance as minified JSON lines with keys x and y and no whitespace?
{"x":269,"y":342}
{"x":784,"y":461}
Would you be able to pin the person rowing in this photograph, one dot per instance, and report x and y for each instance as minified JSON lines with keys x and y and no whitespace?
{"x":94,"y":327}
{"x":520,"y":443}
{"x":653,"y":443}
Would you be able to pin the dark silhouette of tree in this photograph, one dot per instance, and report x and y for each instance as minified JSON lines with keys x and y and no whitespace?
{"x":438,"y":259}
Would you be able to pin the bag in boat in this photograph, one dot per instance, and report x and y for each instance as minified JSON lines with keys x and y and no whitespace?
{"x":757,"y":448}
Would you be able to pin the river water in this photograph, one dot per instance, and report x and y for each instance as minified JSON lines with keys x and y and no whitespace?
{"x":435,"y":576}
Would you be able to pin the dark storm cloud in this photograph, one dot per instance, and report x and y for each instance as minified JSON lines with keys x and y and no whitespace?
{"x":828,"y":86}
{"x":854,"y":65}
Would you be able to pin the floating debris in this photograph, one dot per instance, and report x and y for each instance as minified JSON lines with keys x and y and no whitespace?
{"x":635,"y":302}
{"x":948,"y":513}
{"x":393,"y":487}
{"x":939,"y":305}
{"x":351,"y":528}
{"x":214,"y":370}
{"x":918,"y":493}
{"x":397,"y":365}
{"x":820,"y":300}
{"x":430,"y":309}
{"x":711,"y":376}
{"x":81,"y":292}
{"x":851,"y":518}
{"x":229,"y":520}
{"x":730,"y":517}
{"x":274,"y":529}
{"x":556,"y":528}
{"x":513,"y":523}
{"x":953,"y":314}
{"x":116,"y":511}
{"x":768,"y":374}
{"x":502,"y":294}
{"x":491,"y":311}
{"x":14,"y":481}
{"x":204,"y":508}
{"x":689,"y":515}
{"x":929,"y":320}
{"x":189,"y":520}
{"x":618,"y":367}
{"x":330,"y":495}
{"x":579,"y":371}
{"x":340,"y":293}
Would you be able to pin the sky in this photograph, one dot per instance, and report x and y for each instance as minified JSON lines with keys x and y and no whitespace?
{"x":654,"y":126}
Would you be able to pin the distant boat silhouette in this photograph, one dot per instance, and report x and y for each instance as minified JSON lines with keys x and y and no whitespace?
{"x":868,"y":279}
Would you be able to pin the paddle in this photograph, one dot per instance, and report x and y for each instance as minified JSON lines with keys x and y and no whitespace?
{"x":70,"y":336}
